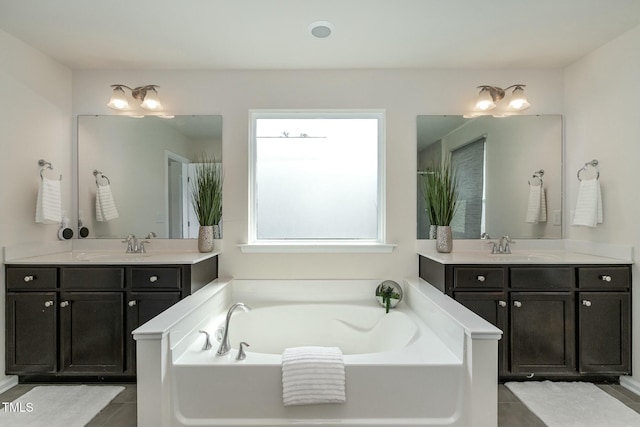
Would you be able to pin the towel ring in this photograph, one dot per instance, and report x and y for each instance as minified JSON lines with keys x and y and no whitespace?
{"x":44,"y":165}
{"x":96,"y":172}
{"x":593,"y":164}
{"x":537,"y":178}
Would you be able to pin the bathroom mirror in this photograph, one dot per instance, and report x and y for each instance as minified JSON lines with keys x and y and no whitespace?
{"x":495,"y":161}
{"x":142,"y":165}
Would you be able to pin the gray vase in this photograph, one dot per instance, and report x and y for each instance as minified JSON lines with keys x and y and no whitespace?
{"x":205,"y":238}
{"x":444,"y":239}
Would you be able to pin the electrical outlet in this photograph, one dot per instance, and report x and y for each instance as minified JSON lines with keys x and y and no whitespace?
{"x":557,"y":217}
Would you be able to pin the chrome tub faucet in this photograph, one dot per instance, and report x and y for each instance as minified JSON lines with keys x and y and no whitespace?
{"x":225,"y":346}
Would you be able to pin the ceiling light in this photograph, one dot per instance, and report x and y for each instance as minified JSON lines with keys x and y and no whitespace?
{"x":490,"y":96}
{"x":147,"y":96}
{"x":321,"y":29}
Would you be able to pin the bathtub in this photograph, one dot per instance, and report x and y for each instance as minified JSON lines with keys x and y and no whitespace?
{"x":416,"y":366}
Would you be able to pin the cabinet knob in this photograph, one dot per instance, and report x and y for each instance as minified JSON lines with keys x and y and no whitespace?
{"x":481,"y":278}
{"x":605,"y":278}
{"x":517,"y":304}
{"x":132,"y":303}
{"x":48,"y":303}
{"x":502,"y":303}
{"x":153,"y":279}
{"x":586,"y":303}
{"x":29,"y":278}
{"x":64,"y":304}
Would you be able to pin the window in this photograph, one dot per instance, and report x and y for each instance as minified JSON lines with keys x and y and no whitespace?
{"x":317,"y":177}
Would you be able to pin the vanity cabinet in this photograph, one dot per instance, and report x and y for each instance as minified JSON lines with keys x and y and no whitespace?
{"x":75,"y":322}
{"x":558,"y":321}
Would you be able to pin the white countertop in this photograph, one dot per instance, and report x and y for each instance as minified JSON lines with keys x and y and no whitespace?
{"x":114,"y":258}
{"x":519,"y":257}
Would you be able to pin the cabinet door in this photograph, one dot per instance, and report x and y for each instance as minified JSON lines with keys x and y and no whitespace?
{"x":31,"y":333}
{"x":604,"y":327}
{"x":142,"y":307}
{"x":542,"y":332}
{"x":492,"y":307}
{"x":92,"y":332}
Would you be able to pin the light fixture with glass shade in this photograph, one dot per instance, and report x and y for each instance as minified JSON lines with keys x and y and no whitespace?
{"x":147,"y":96}
{"x":490,"y":96}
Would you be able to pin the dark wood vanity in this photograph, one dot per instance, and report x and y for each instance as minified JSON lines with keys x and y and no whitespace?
{"x":74,"y":322}
{"x":559,"y":321}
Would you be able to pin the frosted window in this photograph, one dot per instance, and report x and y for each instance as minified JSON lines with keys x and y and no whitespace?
{"x":316,"y":176}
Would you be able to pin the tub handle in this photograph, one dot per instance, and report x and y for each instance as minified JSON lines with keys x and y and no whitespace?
{"x":241,"y":354}
{"x":207,"y":341}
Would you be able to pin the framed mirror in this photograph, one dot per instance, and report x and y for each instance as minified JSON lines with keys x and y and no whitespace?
{"x":133,"y":173}
{"x":509,"y":173}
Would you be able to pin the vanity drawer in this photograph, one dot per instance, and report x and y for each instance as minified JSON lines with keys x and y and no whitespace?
{"x":32,"y":278}
{"x":479,"y":277}
{"x":604,"y":278}
{"x":547,"y":278}
{"x":92,"y":278}
{"x":155,"y":278}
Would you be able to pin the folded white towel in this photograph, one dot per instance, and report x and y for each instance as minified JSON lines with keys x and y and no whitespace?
{"x":105,"y":206}
{"x":49,"y":202}
{"x":589,"y":204}
{"x":312,"y":375}
{"x":536,"y":205}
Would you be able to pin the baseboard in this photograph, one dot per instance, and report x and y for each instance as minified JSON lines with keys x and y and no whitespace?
{"x":8,"y":382}
{"x":630,"y":384}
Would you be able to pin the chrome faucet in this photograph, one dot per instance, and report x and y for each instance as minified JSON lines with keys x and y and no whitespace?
{"x":134,"y":246}
{"x":503,"y":247}
{"x":225,"y":346}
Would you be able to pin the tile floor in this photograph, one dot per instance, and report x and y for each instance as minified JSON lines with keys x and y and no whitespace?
{"x":121,"y":412}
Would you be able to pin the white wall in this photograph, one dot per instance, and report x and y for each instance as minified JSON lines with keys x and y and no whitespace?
{"x":602,"y":91}
{"x":403,"y":93}
{"x":35,"y":123}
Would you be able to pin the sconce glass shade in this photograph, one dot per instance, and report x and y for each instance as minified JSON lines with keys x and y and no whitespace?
{"x":485,"y":100}
{"x":518,"y":99}
{"x":118,"y":99}
{"x":151,"y":100}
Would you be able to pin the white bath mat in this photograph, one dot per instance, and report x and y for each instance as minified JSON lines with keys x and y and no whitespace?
{"x":574,"y":404}
{"x":57,"y":406}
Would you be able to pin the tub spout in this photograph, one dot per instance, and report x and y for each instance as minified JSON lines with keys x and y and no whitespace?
{"x":225,"y":346}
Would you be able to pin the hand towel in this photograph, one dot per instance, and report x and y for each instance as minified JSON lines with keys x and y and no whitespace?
{"x":312,"y":375}
{"x":105,"y":206}
{"x":49,"y":202}
{"x":536,"y":205}
{"x":588,"y":211}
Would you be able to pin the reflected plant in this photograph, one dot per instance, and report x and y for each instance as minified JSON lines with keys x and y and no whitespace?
{"x":440,"y":192}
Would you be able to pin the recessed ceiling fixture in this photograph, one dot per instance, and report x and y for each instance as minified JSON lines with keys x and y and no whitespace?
{"x":321,"y":29}
{"x":147,"y":96}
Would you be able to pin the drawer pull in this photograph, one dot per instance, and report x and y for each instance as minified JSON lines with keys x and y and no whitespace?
{"x":48,"y":303}
{"x":481,"y":278}
{"x":502,"y":303}
{"x":586,"y":303}
{"x":605,"y":278}
{"x":29,"y":278}
{"x":517,"y":304}
{"x":132,"y":303}
{"x":153,"y":279}
{"x":64,"y":304}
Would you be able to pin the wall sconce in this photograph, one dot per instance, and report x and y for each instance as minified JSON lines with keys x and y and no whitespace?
{"x":490,"y":95}
{"x":146,"y":95}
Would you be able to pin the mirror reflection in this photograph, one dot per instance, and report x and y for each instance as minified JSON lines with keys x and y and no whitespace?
{"x":498,"y":163}
{"x":133,"y":173}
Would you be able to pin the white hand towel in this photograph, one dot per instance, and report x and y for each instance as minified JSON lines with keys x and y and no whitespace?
{"x":536,"y":205}
{"x":105,"y":206}
{"x":312,"y":375}
{"x":589,"y":204}
{"x":49,"y":202}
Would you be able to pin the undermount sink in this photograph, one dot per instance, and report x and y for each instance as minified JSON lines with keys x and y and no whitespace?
{"x":515,"y":257}
{"x":110,"y":256}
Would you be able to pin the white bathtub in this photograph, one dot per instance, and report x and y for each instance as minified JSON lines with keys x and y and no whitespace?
{"x":400,"y":371}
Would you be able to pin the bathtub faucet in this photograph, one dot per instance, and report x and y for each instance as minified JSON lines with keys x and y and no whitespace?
{"x":225,"y":346}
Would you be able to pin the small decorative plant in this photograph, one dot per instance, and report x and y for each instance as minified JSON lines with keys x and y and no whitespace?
{"x":387,"y":293}
{"x":206,"y":190}
{"x":440,"y":192}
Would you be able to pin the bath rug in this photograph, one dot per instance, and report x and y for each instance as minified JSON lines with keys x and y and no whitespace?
{"x":57,"y":406}
{"x":573,"y":404}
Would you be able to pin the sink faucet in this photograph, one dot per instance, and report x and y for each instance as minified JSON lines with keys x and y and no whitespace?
{"x":503,"y":247}
{"x":134,"y":246}
{"x":225,"y":346}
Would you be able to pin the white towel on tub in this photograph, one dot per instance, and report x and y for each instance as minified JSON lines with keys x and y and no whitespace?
{"x":312,"y":375}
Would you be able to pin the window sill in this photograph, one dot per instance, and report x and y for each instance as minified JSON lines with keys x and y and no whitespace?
{"x":316,"y":248}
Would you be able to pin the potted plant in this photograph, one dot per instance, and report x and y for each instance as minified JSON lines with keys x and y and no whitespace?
{"x":206,"y":197}
{"x":440,"y":192}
